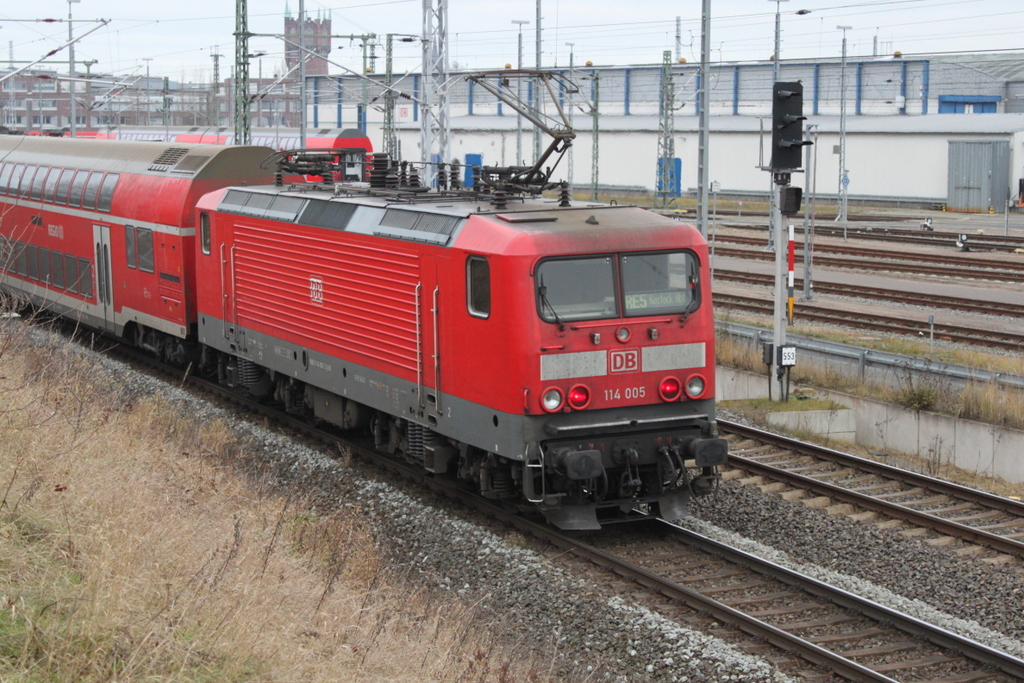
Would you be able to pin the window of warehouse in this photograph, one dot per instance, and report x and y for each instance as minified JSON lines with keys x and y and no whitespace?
{"x":478,"y":286}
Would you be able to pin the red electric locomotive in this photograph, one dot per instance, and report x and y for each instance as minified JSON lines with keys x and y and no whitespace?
{"x":552,"y":352}
{"x":103,"y":231}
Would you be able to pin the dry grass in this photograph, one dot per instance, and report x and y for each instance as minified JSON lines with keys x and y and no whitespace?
{"x":983,"y":402}
{"x":130,"y":550}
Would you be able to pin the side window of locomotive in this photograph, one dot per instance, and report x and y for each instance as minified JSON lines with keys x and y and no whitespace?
{"x":145,"y":242}
{"x":63,"y":184}
{"x":71,"y":272}
{"x":478,"y":286}
{"x":659,"y":284}
{"x":92,"y":188}
{"x":107,"y":192}
{"x":58,"y":269}
{"x":77,"y":187}
{"x":129,"y":244}
{"x":576,"y":289}
{"x":84,"y":277}
{"x":204,"y":231}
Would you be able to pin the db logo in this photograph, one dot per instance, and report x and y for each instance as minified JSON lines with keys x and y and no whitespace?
{"x":316,"y":290}
{"x":625,"y":360}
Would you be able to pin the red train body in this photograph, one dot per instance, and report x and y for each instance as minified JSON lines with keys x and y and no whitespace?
{"x":558,"y":356}
{"x":104,"y":233}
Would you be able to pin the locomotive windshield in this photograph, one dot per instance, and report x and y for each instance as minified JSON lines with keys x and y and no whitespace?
{"x":616,"y":286}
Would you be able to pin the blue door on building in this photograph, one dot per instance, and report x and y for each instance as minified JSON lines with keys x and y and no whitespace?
{"x":472,"y":160}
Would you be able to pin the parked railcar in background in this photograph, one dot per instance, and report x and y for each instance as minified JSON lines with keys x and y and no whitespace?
{"x":103,"y":232}
{"x":353,"y":144}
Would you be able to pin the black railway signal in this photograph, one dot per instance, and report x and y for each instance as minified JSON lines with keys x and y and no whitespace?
{"x":787,"y":129}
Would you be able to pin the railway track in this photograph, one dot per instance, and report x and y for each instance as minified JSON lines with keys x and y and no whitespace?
{"x":977,"y":242}
{"x":968,"y":521}
{"x":876,"y":321}
{"x":884,"y":260}
{"x":853,"y":638}
{"x":881,"y":293}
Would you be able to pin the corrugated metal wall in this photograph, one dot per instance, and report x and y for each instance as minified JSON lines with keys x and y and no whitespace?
{"x":979,"y":175}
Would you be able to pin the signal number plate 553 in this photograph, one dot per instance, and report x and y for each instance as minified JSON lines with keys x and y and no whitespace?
{"x":628,"y":393}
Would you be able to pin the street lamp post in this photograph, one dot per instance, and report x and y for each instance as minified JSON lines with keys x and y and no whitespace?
{"x":843,"y":180}
{"x":519,"y":94}
{"x":71,"y":68}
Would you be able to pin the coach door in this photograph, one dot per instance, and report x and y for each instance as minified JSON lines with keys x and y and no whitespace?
{"x":104,"y":286}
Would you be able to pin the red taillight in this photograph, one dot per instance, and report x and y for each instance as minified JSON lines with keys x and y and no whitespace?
{"x":669,"y":389}
{"x":579,"y":397}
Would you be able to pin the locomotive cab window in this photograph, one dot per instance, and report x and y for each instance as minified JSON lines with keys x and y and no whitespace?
{"x":658,"y":284}
{"x":204,"y":231}
{"x":478,"y":286}
{"x":623,"y":285}
{"x":576,"y":289}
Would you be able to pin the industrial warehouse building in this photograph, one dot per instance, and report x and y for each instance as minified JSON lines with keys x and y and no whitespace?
{"x":924,"y":131}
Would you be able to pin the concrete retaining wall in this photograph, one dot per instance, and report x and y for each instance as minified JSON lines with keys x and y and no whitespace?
{"x":840,"y":425}
{"x":974,"y":446}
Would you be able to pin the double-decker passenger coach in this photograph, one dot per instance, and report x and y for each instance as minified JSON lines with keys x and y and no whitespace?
{"x":103,"y":231}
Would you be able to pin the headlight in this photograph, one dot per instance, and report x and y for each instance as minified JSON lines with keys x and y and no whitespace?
{"x":552,"y":400}
{"x":622,"y":334}
{"x":695,"y":386}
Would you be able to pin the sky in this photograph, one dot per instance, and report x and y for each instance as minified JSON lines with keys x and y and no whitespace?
{"x":177,"y":38}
